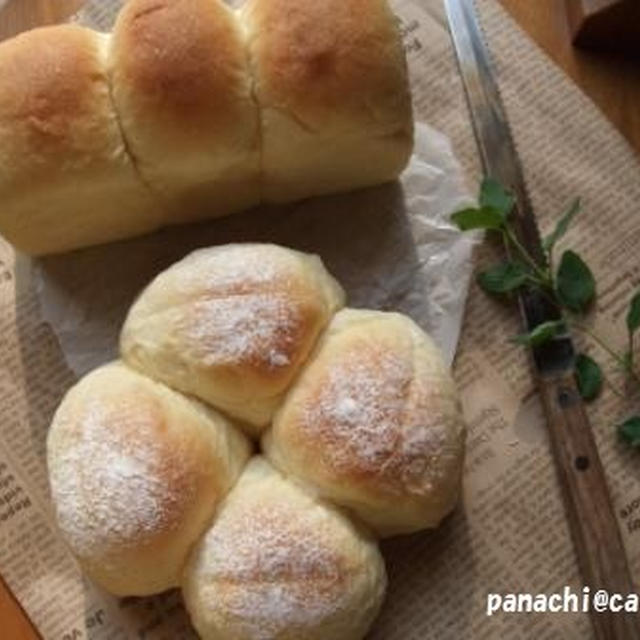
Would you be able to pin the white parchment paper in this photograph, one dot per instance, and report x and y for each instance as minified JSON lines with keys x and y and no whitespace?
{"x":392,"y":248}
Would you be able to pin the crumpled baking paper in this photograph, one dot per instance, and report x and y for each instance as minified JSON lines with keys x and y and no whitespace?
{"x":392,"y":247}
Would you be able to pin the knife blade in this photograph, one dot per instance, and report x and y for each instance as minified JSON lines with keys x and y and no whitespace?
{"x":596,"y":537}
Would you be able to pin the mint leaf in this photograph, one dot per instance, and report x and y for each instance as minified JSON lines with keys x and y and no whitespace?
{"x":561,"y":227}
{"x":633,"y":316}
{"x":629,"y":431}
{"x":494,"y":196}
{"x":484,"y":218}
{"x":575,"y":284}
{"x":503,"y":278}
{"x":541,"y":334}
{"x":588,"y":376}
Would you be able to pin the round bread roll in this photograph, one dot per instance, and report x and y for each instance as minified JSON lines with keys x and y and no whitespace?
{"x":373,"y":423}
{"x":332,"y":89}
{"x":232,"y":325}
{"x":281,"y":565}
{"x":61,"y":146}
{"x":136,"y":471}
{"x":182,"y":88}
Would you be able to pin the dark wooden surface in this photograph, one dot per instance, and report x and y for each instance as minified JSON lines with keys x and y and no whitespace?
{"x":611,"y":81}
{"x":608,"y":25}
{"x":613,"y":84}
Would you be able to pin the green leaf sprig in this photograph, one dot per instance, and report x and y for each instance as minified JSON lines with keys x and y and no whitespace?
{"x":570,"y":286}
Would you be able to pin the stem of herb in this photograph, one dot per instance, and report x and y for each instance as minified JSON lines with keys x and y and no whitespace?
{"x":616,"y":356}
{"x":527,"y":258}
{"x":535,"y":281}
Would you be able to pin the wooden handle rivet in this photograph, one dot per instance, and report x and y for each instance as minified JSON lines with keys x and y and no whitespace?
{"x":582,"y":463}
{"x":565,"y":398}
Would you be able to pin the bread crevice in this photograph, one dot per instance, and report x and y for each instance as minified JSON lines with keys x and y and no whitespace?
{"x":135,"y":165}
{"x":253,"y":96}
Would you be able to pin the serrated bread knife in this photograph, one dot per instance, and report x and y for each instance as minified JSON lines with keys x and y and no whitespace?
{"x":596,"y":537}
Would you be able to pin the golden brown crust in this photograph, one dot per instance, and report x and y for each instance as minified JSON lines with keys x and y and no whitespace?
{"x":382,"y":373}
{"x":138,"y":423}
{"x":66,"y":179}
{"x":374,"y":423}
{"x":191,"y":111}
{"x":54,"y":104}
{"x":277,"y":563}
{"x":136,"y":471}
{"x":293,"y":317}
{"x":329,"y":61}
{"x":182,"y":89}
{"x":331,"y":84}
{"x":232,"y":325}
{"x":183,"y":62}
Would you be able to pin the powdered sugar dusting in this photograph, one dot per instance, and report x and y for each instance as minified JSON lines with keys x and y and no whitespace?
{"x":374,"y":420}
{"x":276,"y":570}
{"x":106,"y":483}
{"x":237,"y":269}
{"x":261,"y":329}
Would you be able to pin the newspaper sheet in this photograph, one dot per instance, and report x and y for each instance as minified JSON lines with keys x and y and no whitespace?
{"x":509,"y":534}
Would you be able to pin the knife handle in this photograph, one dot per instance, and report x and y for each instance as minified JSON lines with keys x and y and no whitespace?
{"x":594,"y":528}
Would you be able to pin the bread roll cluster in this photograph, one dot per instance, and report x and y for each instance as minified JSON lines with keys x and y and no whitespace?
{"x":190,"y":110}
{"x":356,"y":415}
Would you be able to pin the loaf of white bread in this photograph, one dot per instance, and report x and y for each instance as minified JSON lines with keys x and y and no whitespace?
{"x":190,"y":110}
{"x":358,"y":420}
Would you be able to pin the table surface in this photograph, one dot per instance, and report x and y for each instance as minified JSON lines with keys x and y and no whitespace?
{"x":613,"y":84}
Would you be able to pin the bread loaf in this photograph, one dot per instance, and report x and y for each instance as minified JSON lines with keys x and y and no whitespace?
{"x":136,"y":472}
{"x":192,"y":110}
{"x":279,"y":564}
{"x":373,"y":423}
{"x":232,"y":325}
